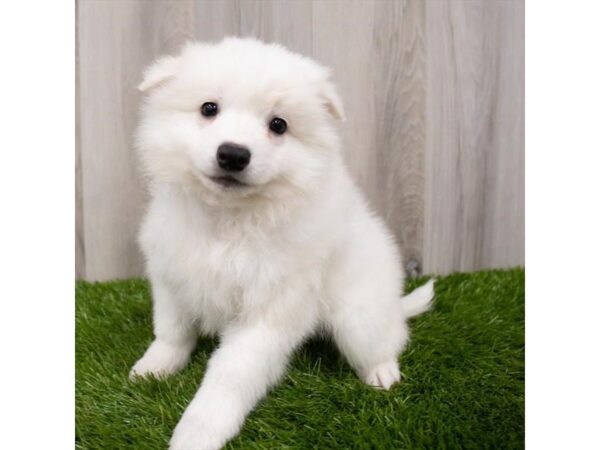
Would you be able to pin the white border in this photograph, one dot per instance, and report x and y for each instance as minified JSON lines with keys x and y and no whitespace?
{"x":37,"y":224}
{"x":562,"y":224}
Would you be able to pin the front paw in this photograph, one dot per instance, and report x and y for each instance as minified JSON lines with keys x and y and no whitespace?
{"x":160,"y":360}
{"x":190,"y":434}
{"x":382,"y":376}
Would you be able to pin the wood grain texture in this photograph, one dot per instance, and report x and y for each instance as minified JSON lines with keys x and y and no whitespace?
{"x":474,"y":204}
{"x":287,"y":23}
{"x":433,"y":91}
{"x":216,"y":19}
{"x":353,"y":76}
{"x":399,"y":134}
{"x":79,"y":227}
{"x":382,"y":82}
{"x":116,"y":41}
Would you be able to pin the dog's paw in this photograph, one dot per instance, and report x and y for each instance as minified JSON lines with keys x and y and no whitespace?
{"x":189,"y":434}
{"x":160,"y":360}
{"x":382,"y":376}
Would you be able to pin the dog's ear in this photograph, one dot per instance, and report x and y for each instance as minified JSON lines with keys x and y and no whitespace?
{"x":333,"y":102}
{"x":160,"y":71}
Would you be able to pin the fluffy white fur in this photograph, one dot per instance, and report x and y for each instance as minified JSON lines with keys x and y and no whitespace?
{"x":265,"y":265}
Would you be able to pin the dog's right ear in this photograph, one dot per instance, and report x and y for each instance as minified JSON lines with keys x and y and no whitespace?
{"x":333,"y":102}
{"x":161,"y":70}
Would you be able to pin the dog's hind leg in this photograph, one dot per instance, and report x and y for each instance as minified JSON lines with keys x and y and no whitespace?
{"x":369,"y":326}
{"x":370,"y":338}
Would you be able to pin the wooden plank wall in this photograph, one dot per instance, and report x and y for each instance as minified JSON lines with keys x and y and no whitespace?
{"x":474,"y":169}
{"x":434,"y":94}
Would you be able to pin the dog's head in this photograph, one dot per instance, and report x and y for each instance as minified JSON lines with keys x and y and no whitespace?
{"x":237,"y":120}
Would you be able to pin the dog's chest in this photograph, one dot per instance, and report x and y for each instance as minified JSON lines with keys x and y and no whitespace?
{"x":215,"y":267}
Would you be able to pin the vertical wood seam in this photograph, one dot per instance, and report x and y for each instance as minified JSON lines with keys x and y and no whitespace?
{"x":80,"y":253}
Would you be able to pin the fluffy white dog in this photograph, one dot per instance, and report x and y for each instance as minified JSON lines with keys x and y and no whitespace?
{"x":256,"y":233}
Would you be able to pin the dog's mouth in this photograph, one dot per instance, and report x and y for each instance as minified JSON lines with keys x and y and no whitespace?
{"x":228,"y":181}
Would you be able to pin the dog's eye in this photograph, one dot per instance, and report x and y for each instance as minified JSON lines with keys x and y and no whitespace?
{"x":278,"y":126}
{"x":209,"y":109}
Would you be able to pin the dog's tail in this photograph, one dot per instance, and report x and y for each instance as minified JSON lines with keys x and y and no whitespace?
{"x":419,"y":300}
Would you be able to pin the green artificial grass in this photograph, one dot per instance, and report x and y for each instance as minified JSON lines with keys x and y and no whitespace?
{"x":462,"y":386}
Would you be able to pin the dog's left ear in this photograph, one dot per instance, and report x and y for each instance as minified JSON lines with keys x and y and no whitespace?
{"x":160,"y":71}
{"x":333,"y":102}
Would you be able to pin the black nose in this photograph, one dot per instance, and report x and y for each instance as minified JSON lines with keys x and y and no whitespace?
{"x":233,"y":157}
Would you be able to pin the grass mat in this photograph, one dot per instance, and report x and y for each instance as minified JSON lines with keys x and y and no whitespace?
{"x":462,"y":386}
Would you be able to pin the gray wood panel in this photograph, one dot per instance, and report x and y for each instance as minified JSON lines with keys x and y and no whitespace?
{"x":380,"y":69}
{"x":216,"y":19}
{"x":287,"y":23}
{"x":116,"y":41}
{"x":399,"y":133}
{"x":433,"y":92}
{"x":474,"y":171}
{"x":79,"y":231}
{"x":348,"y":53}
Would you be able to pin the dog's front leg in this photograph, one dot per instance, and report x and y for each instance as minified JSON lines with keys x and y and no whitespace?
{"x":250,"y":359}
{"x":175,"y":337}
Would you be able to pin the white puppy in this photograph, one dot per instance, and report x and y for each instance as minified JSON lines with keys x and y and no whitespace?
{"x":256,"y":233}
